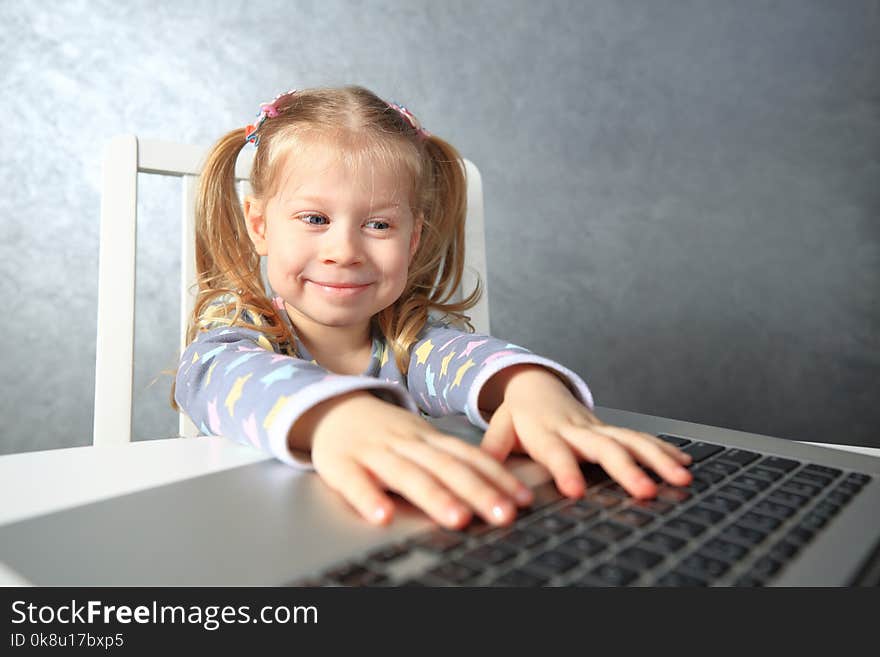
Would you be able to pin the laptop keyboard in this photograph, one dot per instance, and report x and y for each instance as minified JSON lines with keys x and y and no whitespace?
{"x":742,"y":519}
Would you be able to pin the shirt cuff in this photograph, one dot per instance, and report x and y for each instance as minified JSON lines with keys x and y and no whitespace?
{"x":316,"y":393}
{"x":575,"y":383}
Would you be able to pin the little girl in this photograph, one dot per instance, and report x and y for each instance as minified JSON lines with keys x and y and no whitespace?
{"x":360,"y":214}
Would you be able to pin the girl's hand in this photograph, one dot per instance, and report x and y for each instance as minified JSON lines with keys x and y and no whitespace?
{"x":362,"y":445}
{"x":541,"y":417}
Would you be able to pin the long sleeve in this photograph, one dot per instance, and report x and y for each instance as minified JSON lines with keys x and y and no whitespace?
{"x":449,"y":367}
{"x":231,"y":382}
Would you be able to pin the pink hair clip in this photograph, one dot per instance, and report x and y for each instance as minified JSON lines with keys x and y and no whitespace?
{"x":267,"y":111}
{"x":410,"y":118}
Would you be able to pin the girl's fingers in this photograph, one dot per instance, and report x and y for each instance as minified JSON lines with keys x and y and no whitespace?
{"x":500,"y":438}
{"x":461,"y":479}
{"x":405,"y":477}
{"x":648,"y":452}
{"x":355,"y":484}
{"x":553,"y":453}
{"x":613,"y":457}
{"x":491,"y":469}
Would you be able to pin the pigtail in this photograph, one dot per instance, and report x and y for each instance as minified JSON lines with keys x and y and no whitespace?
{"x":227,"y":265}
{"x":438,"y":266}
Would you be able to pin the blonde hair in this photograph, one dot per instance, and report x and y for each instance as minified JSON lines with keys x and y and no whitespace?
{"x":227,"y":265}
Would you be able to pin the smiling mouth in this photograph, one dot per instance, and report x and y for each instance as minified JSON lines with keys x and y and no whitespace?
{"x":340,"y":285}
{"x":340,"y":289}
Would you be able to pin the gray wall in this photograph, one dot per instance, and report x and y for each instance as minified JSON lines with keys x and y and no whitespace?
{"x":682,"y":198}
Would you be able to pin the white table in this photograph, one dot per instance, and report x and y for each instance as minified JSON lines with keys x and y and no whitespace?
{"x":35,"y":483}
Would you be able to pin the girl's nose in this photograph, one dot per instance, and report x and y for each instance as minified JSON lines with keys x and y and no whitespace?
{"x":341,"y":246}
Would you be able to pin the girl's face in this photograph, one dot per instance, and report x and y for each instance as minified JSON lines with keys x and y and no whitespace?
{"x":338,"y":239}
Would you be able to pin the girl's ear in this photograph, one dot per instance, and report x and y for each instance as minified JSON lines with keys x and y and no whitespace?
{"x":416,"y":236}
{"x":255,"y":221}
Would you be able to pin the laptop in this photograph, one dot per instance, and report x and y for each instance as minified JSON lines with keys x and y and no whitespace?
{"x":761,"y":512}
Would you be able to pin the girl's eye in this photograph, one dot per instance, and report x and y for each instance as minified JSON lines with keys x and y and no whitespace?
{"x":384,"y":223}
{"x":308,"y":219}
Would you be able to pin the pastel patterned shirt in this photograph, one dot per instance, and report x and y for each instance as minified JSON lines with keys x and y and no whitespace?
{"x":233,"y":381}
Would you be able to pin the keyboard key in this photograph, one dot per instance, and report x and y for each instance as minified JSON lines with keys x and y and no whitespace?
{"x":740,"y":457}
{"x":454,"y":573}
{"x":748,"y":580}
{"x":765,"y":567}
{"x":760,"y":521}
{"x":783,"y":550}
{"x":838,"y":497}
{"x":583,"y":546}
{"x":824,"y":470}
{"x":707,"y":474}
{"x":801,"y":488}
{"x":520,"y":577}
{"x":702,"y":451}
{"x":723,"y":467}
{"x":632,"y":518}
{"x":812,"y":478}
{"x":705,"y":566}
{"x":737,"y":492}
{"x":774,"y":509}
{"x":685,"y":527}
{"x":662,"y":542}
{"x":731,"y":552}
{"x":601,"y":499}
{"x":612,"y":574}
{"x":577,"y":512}
{"x":743,"y":534}
{"x":608,"y":531}
{"x":358,"y":576}
{"x":674,"y":440}
{"x":699,"y":485}
{"x":344,"y":572}
{"x":388,"y":553}
{"x":793,"y":500}
{"x":551,"y":524}
{"x":554,"y":561}
{"x":826,"y":509}
{"x":858,"y":478}
{"x":520,"y":539}
{"x":703,"y":514}
{"x":438,"y":540}
{"x":778,"y":463}
{"x":752,"y":483}
{"x":673,"y":494}
{"x":679,"y":579}
{"x":654,"y":506}
{"x":491,"y":554}
{"x":767,"y":474}
{"x":799,"y":535}
{"x":721,"y":502}
{"x":639,"y":557}
{"x":848,"y":487}
{"x":813,"y":522}
{"x":617,"y":490}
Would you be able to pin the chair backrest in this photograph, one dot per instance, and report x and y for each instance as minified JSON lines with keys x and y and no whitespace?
{"x":126,"y":156}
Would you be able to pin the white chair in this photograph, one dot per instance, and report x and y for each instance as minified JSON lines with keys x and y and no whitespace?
{"x":126,"y":156}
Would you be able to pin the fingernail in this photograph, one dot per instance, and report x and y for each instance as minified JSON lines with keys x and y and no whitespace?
{"x":455,"y":514}
{"x":501,"y":510}
{"x":379,"y":514}
{"x":523,"y":495}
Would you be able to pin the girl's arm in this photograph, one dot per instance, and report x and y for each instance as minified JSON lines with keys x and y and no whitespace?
{"x":452,"y":371}
{"x":230,"y":384}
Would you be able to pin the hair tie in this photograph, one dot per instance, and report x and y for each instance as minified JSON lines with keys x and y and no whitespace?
{"x":267,"y":111}
{"x":411,"y":119}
